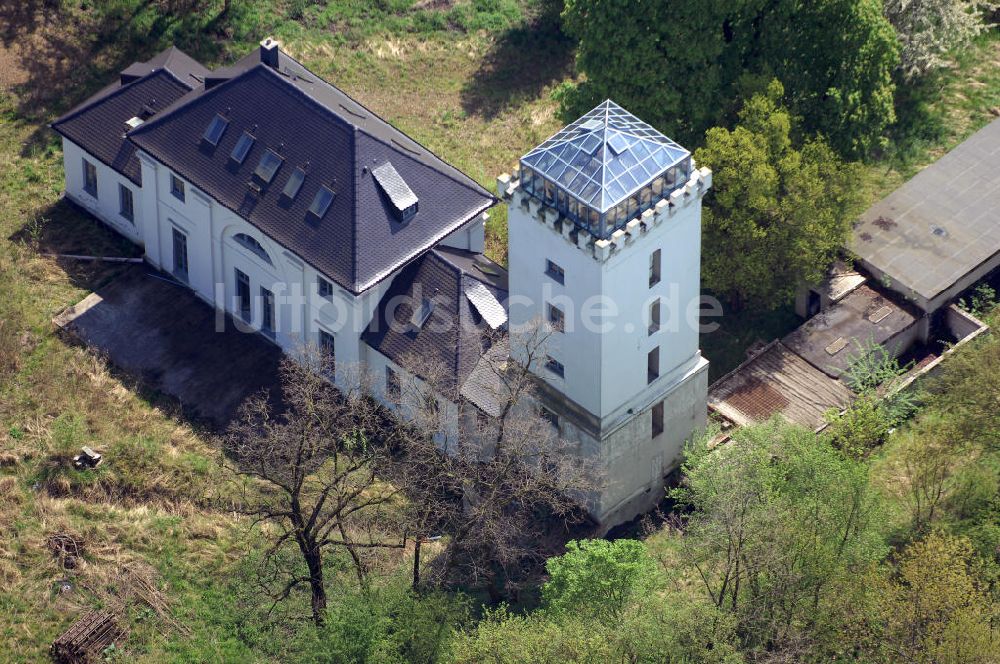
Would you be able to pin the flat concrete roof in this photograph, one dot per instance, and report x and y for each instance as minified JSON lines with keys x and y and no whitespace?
{"x":829,"y":339}
{"x":777,"y":381}
{"x":941,"y":225}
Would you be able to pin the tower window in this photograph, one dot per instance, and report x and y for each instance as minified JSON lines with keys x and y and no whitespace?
{"x":654,"y":268}
{"x":555,"y":366}
{"x":657,"y":417}
{"x":555,"y":272}
{"x":557,"y":319}
{"x":653,"y":365}
{"x":654,"y":316}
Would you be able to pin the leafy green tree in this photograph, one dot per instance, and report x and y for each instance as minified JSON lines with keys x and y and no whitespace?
{"x":936,"y":611}
{"x":776,"y":216}
{"x":682,"y":66}
{"x":597,"y":577}
{"x":781,"y":526}
{"x":967,"y":392}
{"x":668,"y":62}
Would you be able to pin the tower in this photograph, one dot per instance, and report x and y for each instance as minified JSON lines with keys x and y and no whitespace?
{"x":605,"y":250}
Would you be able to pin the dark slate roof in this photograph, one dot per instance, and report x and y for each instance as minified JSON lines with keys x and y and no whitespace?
{"x":451,"y":341}
{"x":312,"y":124}
{"x":98,"y":124}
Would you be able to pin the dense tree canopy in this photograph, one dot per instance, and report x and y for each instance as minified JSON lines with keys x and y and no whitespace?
{"x":682,"y":66}
{"x":776,"y":215}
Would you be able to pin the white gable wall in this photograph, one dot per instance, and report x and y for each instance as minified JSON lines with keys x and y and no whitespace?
{"x":105,"y":206}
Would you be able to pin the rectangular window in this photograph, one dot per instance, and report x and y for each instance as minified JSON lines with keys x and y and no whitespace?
{"x":555,"y":367}
{"x":557,"y":319}
{"x":177,"y":187}
{"x":654,"y":268}
{"x":328,"y":350}
{"x":90,"y":178}
{"x":657,"y":416}
{"x":549,"y":417}
{"x":325,"y":288}
{"x":243,"y":295}
{"x":653,"y":365}
{"x":654,"y":316}
{"x":392,"y":389}
{"x":555,"y":272}
{"x":180,"y":255}
{"x":267,"y":312}
{"x":126,"y":207}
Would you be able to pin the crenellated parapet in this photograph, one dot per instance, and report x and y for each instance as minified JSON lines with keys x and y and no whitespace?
{"x":690,"y":193}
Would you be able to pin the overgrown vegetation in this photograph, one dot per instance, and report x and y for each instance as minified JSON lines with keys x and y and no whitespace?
{"x":864,"y":543}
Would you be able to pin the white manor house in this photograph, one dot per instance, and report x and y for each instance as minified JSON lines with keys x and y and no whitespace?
{"x":281,"y":201}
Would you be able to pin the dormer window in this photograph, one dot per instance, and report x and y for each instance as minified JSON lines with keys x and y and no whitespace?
{"x":404,"y":202}
{"x":269,"y":164}
{"x":422,"y":313}
{"x":215,"y":129}
{"x":242,"y":148}
{"x":294,"y":183}
{"x":321,"y":202}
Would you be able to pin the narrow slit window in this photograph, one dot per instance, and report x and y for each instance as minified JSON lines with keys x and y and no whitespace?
{"x":269,"y":164}
{"x":215,"y":129}
{"x":294,"y":183}
{"x":654,"y":268}
{"x":653,"y":365}
{"x":657,"y":419}
{"x":654,"y":316}
{"x":242,"y":148}
{"x":321,"y":202}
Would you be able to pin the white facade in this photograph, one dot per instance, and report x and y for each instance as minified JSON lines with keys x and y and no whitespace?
{"x":606,"y":396}
{"x":104,"y":202}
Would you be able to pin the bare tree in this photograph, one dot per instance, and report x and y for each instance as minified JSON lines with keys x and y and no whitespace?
{"x":519,"y":484}
{"x":310,"y":468}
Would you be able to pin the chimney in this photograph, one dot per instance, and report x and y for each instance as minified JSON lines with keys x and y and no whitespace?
{"x":269,"y":49}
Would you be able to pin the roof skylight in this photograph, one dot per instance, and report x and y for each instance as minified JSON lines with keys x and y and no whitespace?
{"x":269,"y":164}
{"x":395,"y":188}
{"x":422,"y":313}
{"x":321,"y":202}
{"x":215,"y":129}
{"x":242,"y":148}
{"x":294,"y":183}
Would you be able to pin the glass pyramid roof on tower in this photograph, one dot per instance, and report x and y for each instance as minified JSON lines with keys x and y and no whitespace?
{"x":604,"y":157}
